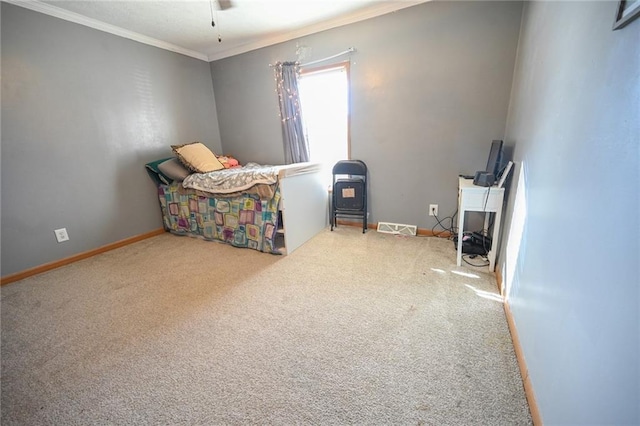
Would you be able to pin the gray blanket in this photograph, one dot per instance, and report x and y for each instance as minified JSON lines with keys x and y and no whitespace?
{"x":232,"y":180}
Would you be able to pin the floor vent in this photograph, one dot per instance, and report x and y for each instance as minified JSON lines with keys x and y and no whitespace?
{"x":397,"y":228}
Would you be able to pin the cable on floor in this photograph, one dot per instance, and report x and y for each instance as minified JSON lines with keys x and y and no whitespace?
{"x":473,"y":256}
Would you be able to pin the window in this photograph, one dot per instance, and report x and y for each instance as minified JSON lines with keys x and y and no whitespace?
{"x":324,"y":98}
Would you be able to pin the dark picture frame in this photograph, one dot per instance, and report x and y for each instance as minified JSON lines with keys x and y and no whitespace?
{"x":626,"y":12}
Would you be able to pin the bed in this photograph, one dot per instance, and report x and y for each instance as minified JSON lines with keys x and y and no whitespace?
{"x":272,"y":209}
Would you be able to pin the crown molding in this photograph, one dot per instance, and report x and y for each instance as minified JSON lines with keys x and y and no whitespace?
{"x":66,"y":15}
{"x":381,"y":9}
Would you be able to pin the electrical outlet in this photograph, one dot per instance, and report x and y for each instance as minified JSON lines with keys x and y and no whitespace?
{"x":433,"y":210}
{"x":61,"y":235}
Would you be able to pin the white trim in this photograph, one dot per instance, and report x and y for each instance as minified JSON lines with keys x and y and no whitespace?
{"x":66,"y":15}
{"x":383,"y":9}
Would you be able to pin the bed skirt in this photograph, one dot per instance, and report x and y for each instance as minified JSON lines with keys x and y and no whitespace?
{"x":243,"y":220}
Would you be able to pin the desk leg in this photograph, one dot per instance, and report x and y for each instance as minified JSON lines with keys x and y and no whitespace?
{"x":494,"y":240}
{"x":460,"y":234}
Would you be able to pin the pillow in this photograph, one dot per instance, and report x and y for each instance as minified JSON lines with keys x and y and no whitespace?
{"x":174,"y":169}
{"x":156,"y":174}
{"x":197,"y":157}
{"x":228,"y":161}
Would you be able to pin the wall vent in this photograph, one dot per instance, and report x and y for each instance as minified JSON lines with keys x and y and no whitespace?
{"x":397,"y":228}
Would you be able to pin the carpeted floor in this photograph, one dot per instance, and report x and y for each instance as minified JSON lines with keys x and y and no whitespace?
{"x":349,"y":329}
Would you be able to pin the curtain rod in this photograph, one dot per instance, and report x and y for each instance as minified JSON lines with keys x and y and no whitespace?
{"x":349,"y":50}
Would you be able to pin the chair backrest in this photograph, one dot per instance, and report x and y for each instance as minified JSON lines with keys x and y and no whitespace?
{"x":350,"y":167}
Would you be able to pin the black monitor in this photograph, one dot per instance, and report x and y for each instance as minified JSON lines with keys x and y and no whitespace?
{"x":494,"y":162}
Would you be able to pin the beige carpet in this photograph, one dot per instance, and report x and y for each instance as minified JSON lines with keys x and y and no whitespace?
{"x":349,"y":329}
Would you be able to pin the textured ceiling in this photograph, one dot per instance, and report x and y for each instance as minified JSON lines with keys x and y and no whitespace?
{"x":185,"y":25}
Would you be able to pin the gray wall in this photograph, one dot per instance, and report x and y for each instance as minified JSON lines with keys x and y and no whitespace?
{"x":430,"y":89}
{"x":82,"y":112}
{"x":574,"y":279}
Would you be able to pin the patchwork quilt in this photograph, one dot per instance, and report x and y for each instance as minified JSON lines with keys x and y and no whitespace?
{"x":242,"y":221}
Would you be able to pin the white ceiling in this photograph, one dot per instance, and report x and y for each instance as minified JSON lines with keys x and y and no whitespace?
{"x":184,"y":26}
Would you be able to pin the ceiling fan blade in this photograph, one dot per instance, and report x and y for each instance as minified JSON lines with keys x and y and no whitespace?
{"x":224,"y":4}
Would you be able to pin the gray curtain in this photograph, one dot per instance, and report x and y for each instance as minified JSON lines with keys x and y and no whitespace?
{"x":296,"y":149}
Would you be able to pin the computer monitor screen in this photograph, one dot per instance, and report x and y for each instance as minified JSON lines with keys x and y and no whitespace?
{"x":495,"y":158}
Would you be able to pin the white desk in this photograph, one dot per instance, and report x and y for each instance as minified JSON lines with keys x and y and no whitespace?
{"x":480,"y":199}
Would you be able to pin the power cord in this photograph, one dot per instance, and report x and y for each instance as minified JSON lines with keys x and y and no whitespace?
{"x":444,"y":228}
{"x":473,"y":256}
{"x":486,"y":199}
{"x":452,"y":231}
